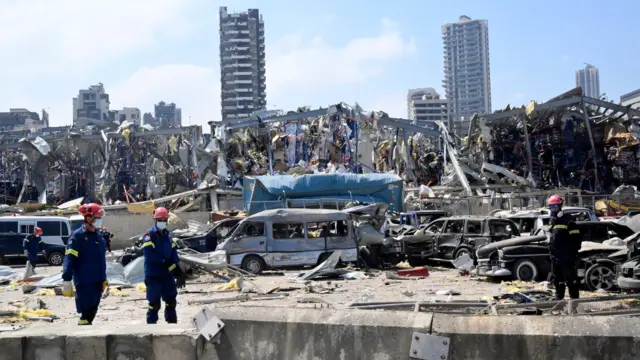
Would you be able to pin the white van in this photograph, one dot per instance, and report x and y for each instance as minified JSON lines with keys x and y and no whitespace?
{"x":290,"y":237}
{"x":55,"y":234}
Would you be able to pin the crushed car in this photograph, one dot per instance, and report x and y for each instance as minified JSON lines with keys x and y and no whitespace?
{"x":453,"y":237}
{"x":527,"y":258}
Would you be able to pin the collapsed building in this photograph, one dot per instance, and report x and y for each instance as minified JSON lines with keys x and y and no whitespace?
{"x":570,"y":142}
{"x":100,"y":164}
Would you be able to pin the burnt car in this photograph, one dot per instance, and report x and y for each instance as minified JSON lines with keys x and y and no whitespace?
{"x":527,"y":259}
{"x":453,"y":237}
{"x":395,"y":226}
{"x":207,"y":242}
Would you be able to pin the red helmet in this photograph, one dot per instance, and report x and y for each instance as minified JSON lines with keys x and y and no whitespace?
{"x":555,"y":200}
{"x":37,"y":231}
{"x":161,"y":213}
{"x":91,"y":210}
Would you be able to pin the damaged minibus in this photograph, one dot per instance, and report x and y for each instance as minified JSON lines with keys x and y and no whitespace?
{"x":283,"y":238}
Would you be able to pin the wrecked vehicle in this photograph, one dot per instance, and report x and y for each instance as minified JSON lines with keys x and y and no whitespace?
{"x":628,"y":274}
{"x":414,"y":219}
{"x":526,"y":219}
{"x":527,"y":259}
{"x":453,"y":237}
{"x":282,"y":238}
{"x":208,"y":241}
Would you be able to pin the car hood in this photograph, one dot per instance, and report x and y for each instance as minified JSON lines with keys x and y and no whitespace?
{"x":487,"y":250}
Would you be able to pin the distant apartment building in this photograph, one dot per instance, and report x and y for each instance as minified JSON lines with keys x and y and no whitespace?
{"x":589,"y":80}
{"x":242,"y":64}
{"x":91,"y":105}
{"x":148,"y":119}
{"x":467,"y":76}
{"x":129,"y":114}
{"x":424,"y":106}
{"x":167,"y":115}
{"x":632,"y":98}
{"x":19,"y":119}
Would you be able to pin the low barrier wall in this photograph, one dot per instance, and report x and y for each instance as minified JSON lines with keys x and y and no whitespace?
{"x":260,"y":333}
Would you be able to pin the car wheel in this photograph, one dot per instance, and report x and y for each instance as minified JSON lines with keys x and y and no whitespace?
{"x":253,"y":264}
{"x":599,"y":276}
{"x":55,"y":259}
{"x":525,"y":270}
{"x":461,"y":252}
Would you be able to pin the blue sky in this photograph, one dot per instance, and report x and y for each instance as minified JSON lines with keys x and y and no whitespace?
{"x":318,"y":52}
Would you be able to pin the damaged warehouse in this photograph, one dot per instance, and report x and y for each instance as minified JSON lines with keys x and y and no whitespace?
{"x":569,"y":142}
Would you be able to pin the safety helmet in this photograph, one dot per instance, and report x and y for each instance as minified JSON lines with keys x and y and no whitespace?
{"x":161,"y":214}
{"x":37,"y":231}
{"x":91,"y":210}
{"x":554,"y":200}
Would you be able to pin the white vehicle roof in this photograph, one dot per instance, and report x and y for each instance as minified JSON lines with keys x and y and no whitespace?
{"x":32,"y":218}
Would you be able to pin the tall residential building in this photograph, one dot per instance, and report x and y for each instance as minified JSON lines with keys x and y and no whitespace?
{"x":242,"y":64}
{"x":424,"y":106}
{"x":167,"y":115}
{"x":467,"y":78}
{"x":92,"y":104}
{"x":632,"y":98}
{"x":589,"y":80}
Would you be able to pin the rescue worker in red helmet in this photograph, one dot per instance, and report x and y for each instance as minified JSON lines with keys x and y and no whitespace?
{"x":32,"y":246}
{"x":161,"y":266}
{"x":85,"y":262}
{"x":564,"y":243}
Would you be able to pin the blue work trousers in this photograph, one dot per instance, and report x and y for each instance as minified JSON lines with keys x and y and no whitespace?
{"x":161,"y":288}
{"x":87,"y":301}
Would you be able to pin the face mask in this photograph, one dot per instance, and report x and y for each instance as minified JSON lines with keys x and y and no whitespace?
{"x":161,"y":225}
{"x":98,"y":222}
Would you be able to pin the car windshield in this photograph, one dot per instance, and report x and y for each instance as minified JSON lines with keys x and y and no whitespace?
{"x":75,"y":224}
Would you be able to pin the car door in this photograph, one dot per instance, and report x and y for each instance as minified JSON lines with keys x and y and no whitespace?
{"x":449,"y":239}
{"x":422,"y":242}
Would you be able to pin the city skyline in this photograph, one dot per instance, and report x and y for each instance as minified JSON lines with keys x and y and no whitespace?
{"x":312,"y":58}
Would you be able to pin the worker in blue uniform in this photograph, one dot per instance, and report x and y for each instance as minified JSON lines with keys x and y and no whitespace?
{"x":85,"y":262}
{"x":32,"y":245}
{"x":161,"y":265}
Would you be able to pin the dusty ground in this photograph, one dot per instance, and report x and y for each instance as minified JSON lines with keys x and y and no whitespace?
{"x":129,"y":306}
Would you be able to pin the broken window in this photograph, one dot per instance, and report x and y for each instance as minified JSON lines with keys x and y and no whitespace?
{"x":288,"y":231}
{"x":435,"y":228}
{"x":317,"y":230}
{"x":454,"y":227}
{"x":474,"y":227}
{"x":253,"y":229}
{"x":338,"y":228}
{"x":503,"y":228}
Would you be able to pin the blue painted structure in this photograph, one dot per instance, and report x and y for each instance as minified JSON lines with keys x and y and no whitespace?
{"x":321,"y":190}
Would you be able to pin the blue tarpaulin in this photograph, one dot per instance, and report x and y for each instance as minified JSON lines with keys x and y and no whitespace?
{"x":272,"y":192}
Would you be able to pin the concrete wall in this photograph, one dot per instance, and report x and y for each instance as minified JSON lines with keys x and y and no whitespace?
{"x":258,"y":333}
{"x":124,"y":226}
